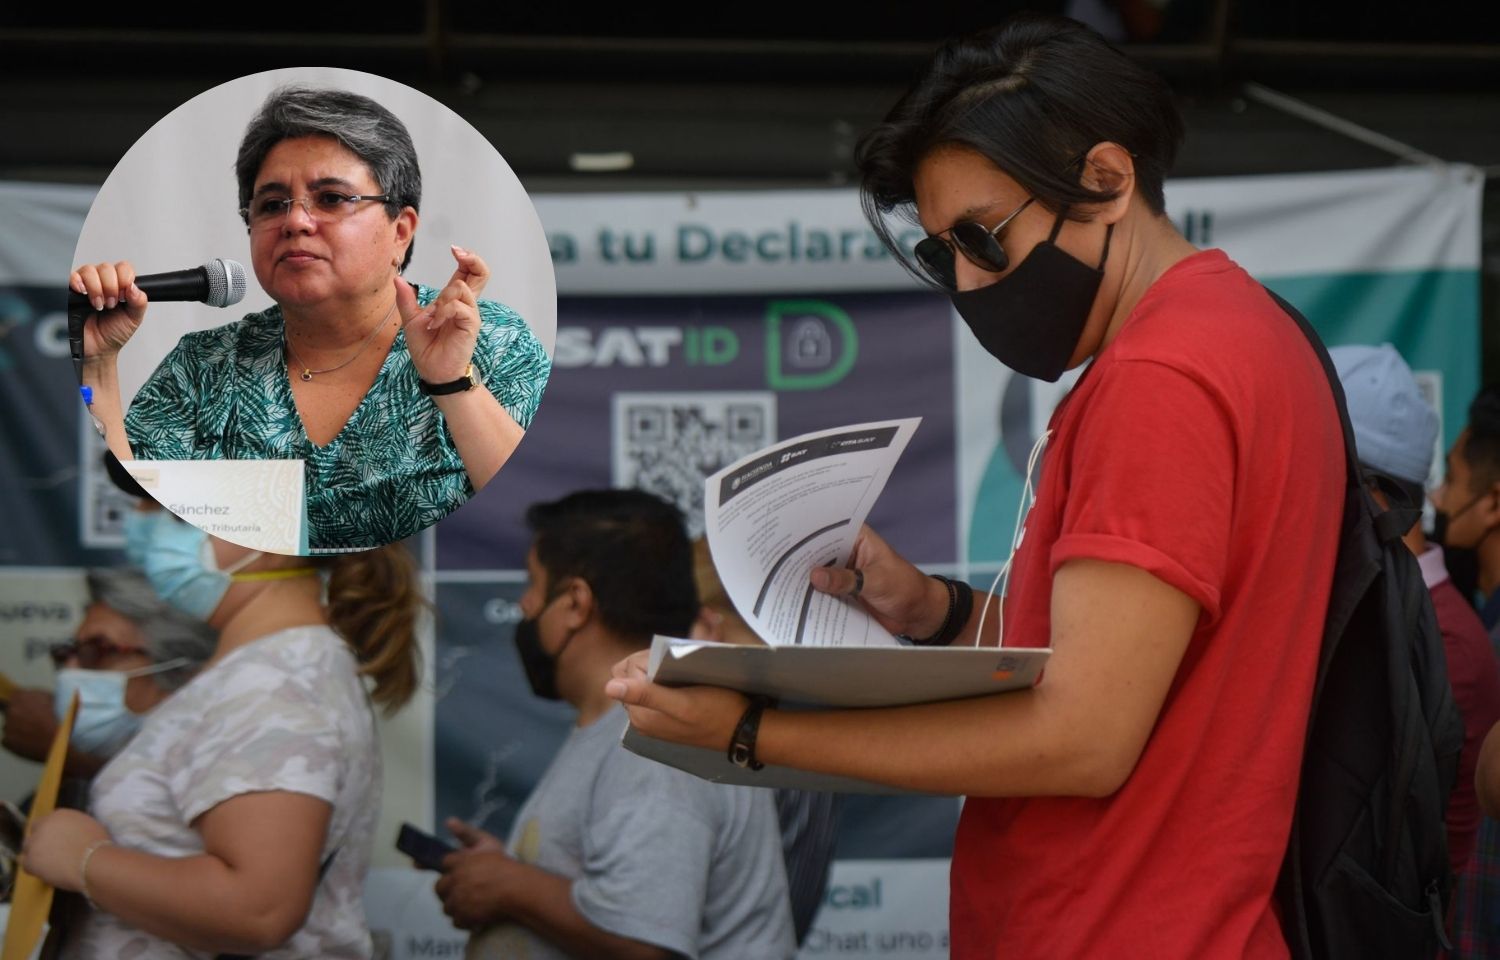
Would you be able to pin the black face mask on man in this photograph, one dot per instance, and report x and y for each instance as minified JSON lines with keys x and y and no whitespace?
{"x":540,"y":666}
{"x":1032,"y":320}
{"x":1462,"y":562}
{"x":1443,"y":522}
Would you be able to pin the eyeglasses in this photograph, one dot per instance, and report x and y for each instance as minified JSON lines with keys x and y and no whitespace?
{"x":324,"y":206}
{"x":90,"y":653}
{"x":979,"y":245}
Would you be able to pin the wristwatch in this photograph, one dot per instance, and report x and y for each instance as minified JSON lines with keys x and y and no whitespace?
{"x":466,"y":382}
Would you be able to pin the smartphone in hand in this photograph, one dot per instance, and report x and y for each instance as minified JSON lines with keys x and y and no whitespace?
{"x":425,"y":850}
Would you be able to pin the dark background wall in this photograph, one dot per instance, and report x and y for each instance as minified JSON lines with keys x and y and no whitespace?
{"x":773,"y":95}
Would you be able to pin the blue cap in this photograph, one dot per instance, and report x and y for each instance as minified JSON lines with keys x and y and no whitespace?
{"x":1395,"y":430}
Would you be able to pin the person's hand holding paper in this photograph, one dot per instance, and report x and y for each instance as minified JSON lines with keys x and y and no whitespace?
{"x":694,"y":716}
{"x":786,"y":533}
{"x":901,"y":598}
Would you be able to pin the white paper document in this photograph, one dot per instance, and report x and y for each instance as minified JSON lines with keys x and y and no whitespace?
{"x":776,"y":514}
{"x":771,"y":518}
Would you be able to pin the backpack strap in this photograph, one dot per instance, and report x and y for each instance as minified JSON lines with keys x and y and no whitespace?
{"x":1295,"y":922}
{"x":1351,"y":456}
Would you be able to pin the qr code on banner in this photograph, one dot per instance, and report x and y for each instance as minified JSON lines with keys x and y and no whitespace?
{"x":668,"y":443}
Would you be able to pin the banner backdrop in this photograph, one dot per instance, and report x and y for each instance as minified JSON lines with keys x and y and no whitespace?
{"x":692,"y":329}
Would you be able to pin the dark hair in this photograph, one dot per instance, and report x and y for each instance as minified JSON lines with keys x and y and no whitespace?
{"x":1032,"y":96}
{"x":362,"y":126}
{"x":1482,"y":448}
{"x":374,"y":603}
{"x":630,"y":548}
{"x":713,"y":596}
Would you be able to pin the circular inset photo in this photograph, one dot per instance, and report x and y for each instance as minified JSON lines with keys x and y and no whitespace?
{"x":312,"y":311}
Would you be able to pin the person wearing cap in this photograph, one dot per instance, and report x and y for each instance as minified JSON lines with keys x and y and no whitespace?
{"x":1395,"y":432}
{"x":130,"y":652}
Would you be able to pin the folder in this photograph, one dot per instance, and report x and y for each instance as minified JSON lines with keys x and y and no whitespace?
{"x":828,"y":677}
{"x":32,"y":900}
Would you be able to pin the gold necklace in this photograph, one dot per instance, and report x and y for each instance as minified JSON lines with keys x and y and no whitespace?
{"x":308,"y":373}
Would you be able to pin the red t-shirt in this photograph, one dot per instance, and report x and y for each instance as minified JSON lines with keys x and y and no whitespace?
{"x":1203,"y":447}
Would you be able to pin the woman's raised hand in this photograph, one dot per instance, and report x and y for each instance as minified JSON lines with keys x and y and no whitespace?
{"x":901,"y":598}
{"x":119,"y":306}
{"x":442,"y":335}
{"x":472,"y":270}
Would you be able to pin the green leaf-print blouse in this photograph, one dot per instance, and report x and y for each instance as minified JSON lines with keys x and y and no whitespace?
{"x":223,"y":394}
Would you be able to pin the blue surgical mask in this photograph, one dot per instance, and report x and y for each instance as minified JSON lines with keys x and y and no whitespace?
{"x":104,"y":723}
{"x":178,"y":559}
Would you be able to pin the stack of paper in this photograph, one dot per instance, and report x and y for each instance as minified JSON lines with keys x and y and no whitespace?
{"x":772,"y":518}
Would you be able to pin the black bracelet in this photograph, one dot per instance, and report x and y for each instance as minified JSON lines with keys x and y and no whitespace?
{"x":960,"y":606}
{"x":742,"y":744}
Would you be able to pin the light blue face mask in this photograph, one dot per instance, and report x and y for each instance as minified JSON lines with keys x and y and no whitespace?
{"x":104,"y":723}
{"x":178,"y":559}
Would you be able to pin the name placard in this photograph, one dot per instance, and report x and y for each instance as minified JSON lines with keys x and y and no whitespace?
{"x":255,"y":503}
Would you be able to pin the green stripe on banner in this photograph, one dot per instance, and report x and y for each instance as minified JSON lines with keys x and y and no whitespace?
{"x":1430,"y":316}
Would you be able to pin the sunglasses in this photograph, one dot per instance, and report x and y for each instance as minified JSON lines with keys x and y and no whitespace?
{"x":90,"y":653}
{"x":980,"y":245}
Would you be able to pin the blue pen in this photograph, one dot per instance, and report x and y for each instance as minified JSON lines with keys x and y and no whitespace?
{"x":88,"y":405}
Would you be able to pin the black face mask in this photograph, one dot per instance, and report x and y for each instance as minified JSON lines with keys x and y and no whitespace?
{"x":541,"y":670}
{"x":1031,"y":320}
{"x":1439,"y":535}
{"x":1462,"y":562}
{"x":1443,"y":521}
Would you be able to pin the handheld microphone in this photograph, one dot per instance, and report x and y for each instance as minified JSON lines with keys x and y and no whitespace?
{"x":218,"y":283}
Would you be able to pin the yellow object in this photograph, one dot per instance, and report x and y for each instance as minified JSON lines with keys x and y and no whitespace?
{"x":33,"y":898}
{"x":8,"y":688}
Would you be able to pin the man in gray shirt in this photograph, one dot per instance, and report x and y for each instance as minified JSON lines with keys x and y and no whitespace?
{"x":612,"y":854}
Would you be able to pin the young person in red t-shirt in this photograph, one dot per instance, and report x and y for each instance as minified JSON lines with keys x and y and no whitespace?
{"x":1178,"y":558}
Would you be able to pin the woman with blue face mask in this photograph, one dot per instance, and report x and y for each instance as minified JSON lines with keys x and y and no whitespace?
{"x":130,"y":651}
{"x":239,"y":818}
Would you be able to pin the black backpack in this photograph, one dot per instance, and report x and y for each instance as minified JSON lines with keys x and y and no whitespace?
{"x":1366,"y":871}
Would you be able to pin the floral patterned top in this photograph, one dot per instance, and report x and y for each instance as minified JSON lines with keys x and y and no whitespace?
{"x":393,"y":470}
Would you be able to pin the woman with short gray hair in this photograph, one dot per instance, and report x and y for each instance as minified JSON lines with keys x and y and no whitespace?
{"x":402,"y":400}
{"x":128,"y":654}
{"x":166,"y":634}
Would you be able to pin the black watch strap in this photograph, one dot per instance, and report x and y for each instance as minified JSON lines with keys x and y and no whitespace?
{"x":742,"y":744}
{"x":466,"y":382}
